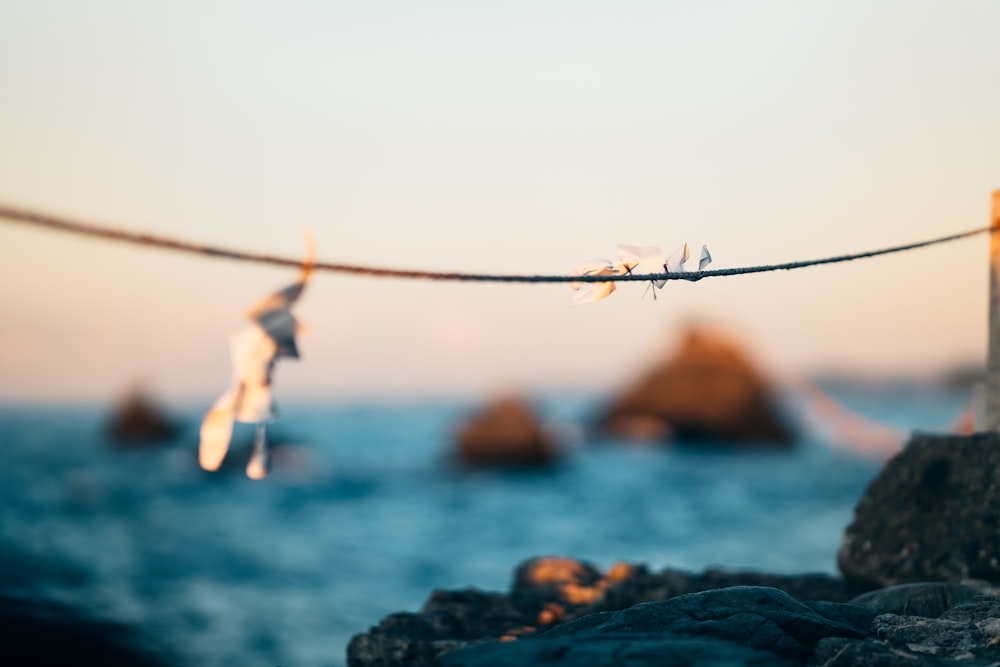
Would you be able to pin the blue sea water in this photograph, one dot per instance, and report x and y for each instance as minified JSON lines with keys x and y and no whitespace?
{"x":364,"y":515}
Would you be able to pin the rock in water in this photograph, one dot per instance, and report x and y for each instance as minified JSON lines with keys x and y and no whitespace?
{"x":709,"y":390}
{"x":506,"y":432}
{"x":930,"y":515}
{"x":139,"y":419}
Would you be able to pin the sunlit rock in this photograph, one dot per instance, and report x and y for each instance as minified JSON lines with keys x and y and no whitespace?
{"x":553,"y":583}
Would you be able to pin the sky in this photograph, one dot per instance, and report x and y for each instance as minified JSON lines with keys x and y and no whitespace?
{"x":514,"y":137}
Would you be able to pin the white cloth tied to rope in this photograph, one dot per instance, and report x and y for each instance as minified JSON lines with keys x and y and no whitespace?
{"x":638,"y":260}
{"x":255,"y":349}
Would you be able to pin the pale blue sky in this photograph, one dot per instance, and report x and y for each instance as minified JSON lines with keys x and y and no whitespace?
{"x":510,"y":137}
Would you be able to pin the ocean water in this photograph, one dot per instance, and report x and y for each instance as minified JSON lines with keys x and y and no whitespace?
{"x":365,"y":514}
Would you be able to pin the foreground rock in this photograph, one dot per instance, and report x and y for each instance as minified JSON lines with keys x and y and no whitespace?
{"x":930,"y":515}
{"x":743,"y":625}
{"x":753,"y":626}
{"x":964,"y":636}
{"x":708,"y":391}
{"x":506,"y":432}
{"x":931,"y":599}
{"x":539,"y":625}
{"x":546,"y":593}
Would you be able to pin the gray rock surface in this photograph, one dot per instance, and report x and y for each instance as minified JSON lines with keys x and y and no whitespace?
{"x":906,"y":641}
{"x":931,"y":599}
{"x":547,"y":592}
{"x":744,"y":625}
{"x":614,"y":652}
{"x":644,"y":586}
{"x":557,"y":613}
{"x":753,"y":626}
{"x":930,"y":515}
{"x":448,"y":620}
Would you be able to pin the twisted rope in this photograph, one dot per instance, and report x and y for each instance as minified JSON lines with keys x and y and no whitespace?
{"x":34,"y":218}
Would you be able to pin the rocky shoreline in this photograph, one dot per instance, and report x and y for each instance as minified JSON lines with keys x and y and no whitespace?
{"x":917,"y":589}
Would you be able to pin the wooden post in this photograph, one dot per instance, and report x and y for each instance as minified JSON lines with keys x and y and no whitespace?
{"x":991,"y":400}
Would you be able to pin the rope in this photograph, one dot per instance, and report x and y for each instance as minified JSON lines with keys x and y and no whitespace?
{"x":17,"y":215}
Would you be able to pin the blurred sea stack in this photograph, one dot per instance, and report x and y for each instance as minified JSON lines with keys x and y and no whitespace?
{"x":708,"y":391}
{"x":505,"y":432}
{"x":138,"y":419}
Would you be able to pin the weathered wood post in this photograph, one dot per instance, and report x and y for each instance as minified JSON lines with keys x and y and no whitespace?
{"x":991,"y":384}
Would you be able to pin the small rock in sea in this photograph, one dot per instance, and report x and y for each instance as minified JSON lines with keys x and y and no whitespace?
{"x":930,"y":515}
{"x":506,"y":432}
{"x":708,"y":391}
{"x":140,"y":419}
